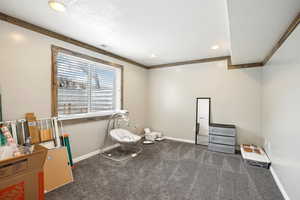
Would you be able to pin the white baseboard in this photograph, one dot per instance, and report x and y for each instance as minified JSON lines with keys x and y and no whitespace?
{"x":85,"y":156}
{"x":110,"y":147}
{"x":180,"y":140}
{"x":280,"y":186}
{"x":93,"y":153}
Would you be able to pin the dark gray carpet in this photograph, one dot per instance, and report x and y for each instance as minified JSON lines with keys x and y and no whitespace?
{"x":169,"y":171}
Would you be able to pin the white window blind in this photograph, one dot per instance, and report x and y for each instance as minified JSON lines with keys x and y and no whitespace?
{"x":85,"y":87}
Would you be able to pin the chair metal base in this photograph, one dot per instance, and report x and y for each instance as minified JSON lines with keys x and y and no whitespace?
{"x":122,"y":153}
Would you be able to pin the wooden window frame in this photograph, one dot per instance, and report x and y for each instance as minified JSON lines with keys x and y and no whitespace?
{"x":54,"y":89}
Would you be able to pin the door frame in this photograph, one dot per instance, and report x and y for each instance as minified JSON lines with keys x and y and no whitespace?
{"x":197,"y":128}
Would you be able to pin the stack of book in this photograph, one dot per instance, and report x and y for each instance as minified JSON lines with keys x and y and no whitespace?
{"x":255,"y":156}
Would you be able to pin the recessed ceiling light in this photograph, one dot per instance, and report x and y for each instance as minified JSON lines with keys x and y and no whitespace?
{"x":103,"y":45}
{"x":153,"y":55}
{"x":57,"y":5}
{"x":215,"y":47}
{"x":17,"y":37}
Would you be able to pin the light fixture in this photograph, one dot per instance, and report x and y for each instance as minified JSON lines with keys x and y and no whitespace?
{"x":57,"y":5}
{"x":153,"y":55}
{"x":215,"y":47}
{"x":17,"y":37}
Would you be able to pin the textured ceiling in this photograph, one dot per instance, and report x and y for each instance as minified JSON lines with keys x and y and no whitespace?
{"x":256,"y":25}
{"x":172,"y":30}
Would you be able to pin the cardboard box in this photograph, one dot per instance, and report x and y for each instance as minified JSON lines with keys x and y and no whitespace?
{"x":22,"y":177}
{"x":57,"y":170}
{"x":34,"y":131}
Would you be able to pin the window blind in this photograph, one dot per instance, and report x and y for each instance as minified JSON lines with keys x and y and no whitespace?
{"x":84,"y":86}
{"x":102,"y":89}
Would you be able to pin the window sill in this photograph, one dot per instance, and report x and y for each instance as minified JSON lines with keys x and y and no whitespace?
{"x":87,"y":115}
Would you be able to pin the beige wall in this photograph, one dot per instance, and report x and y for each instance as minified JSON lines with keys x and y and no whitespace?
{"x":235,"y":96}
{"x":280,"y":113}
{"x":25,"y":83}
{"x":25,"y":61}
{"x":166,"y":98}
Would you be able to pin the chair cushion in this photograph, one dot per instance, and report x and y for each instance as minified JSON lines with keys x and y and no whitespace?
{"x":124,"y":136}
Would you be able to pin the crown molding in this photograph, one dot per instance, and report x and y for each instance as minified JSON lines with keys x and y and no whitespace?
{"x":278,"y":44}
{"x":67,"y":39}
{"x":64,"y":38}
{"x":283,"y":38}
{"x":204,"y":60}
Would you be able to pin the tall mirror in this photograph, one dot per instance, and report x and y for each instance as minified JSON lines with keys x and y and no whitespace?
{"x":202,"y":120}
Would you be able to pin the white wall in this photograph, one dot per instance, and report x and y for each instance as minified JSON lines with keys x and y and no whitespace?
{"x":280,"y":113}
{"x":25,"y":67}
{"x":235,"y":97}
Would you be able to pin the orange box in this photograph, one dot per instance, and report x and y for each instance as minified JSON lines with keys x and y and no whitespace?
{"x":22,"y":177}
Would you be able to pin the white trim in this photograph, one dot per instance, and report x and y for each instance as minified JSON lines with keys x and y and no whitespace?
{"x":280,"y":186}
{"x":85,"y":115}
{"x":110,"y":147}
{"x":93,"y":153}
{"x":180,"y":140}
{"x":85,"y":156}
{"x":89,"y":115}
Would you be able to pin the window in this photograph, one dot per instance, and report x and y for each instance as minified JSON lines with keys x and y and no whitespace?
{"x":83,"y":86}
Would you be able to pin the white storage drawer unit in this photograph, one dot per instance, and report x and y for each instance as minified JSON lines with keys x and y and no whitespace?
{"x":226,"y":131}
{"x":221,"y":148}
{"x":222,"y":138}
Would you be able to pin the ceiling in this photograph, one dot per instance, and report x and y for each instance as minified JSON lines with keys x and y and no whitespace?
{"x":172,"y":30}
{"x":256,"y":25}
